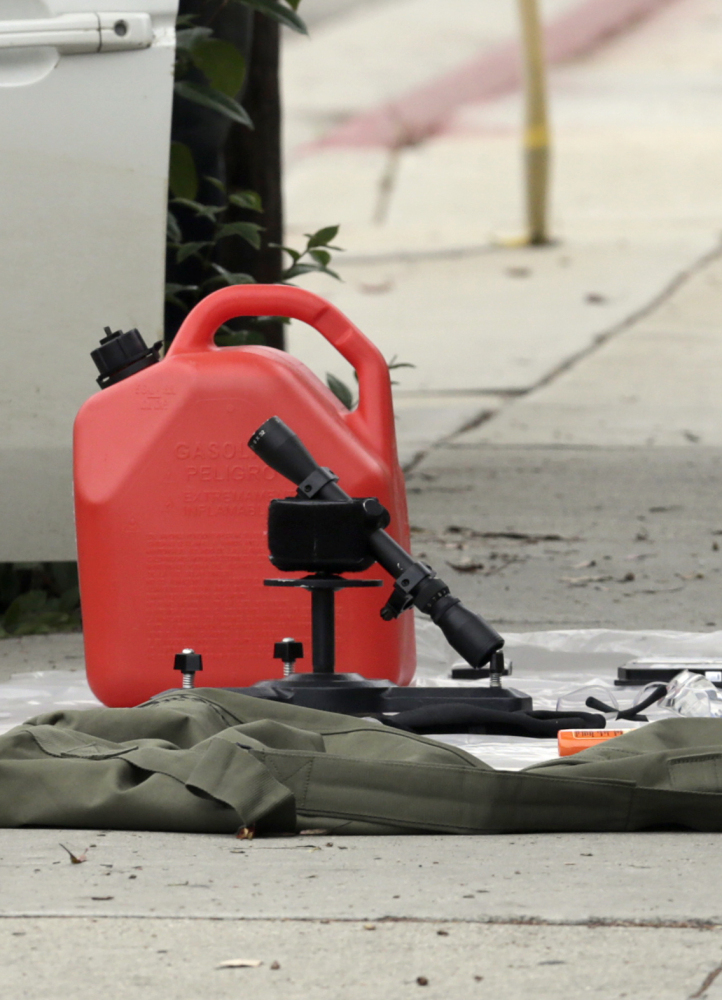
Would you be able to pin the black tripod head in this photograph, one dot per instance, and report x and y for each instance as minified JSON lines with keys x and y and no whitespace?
{"x":323,"y":536}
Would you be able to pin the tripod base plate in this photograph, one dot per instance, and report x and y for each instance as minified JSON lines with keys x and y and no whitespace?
{"x":351,"y":694}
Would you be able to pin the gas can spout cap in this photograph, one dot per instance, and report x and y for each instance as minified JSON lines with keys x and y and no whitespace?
{"x":121,"y":355}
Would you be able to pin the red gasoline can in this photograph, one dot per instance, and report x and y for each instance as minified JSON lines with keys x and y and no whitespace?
{"x":171,"y":505}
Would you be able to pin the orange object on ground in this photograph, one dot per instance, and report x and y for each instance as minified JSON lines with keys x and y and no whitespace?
{"x":172,"y":506}
{"x":573,"y":740}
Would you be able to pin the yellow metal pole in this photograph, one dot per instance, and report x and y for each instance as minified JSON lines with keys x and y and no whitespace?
{"x":536,"y":131}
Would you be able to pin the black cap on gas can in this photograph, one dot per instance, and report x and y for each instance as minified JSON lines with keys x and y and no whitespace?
{"x":122,"y":354}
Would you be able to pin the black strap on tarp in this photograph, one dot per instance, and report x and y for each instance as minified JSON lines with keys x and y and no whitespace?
{"x":460,"y":717}
{"x":633,"y":713}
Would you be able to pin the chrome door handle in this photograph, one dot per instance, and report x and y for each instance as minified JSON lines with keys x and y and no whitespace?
{"x":75,"y":34}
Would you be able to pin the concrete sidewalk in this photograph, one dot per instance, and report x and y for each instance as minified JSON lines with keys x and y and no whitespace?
{"x":528,"y":916}
{"x":585,"y":494}
{"x":637,"y":211}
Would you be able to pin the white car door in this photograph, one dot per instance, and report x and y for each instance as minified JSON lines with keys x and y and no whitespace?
{"x":85,"y":106}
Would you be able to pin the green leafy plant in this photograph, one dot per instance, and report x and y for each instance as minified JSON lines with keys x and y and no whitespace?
{"x":346,"y":395}
{"x":222,"y":70}
{"x":315,"y":256}
{"x":221,"y":63}
{"x":317,"y":252}
{"x":37,"y":598}
{"x":210,"y":72}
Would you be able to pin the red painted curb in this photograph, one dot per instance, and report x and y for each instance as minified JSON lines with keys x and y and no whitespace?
{"x":421,"y":112}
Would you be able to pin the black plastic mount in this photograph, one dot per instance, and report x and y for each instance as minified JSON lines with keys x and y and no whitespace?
{"x":121,"y":355}
{"x":496,"y":670}
{"x":315,"y":482}
{"x":351,"y":694}
{"x":639,"y":676}
{"x":323,"y":536}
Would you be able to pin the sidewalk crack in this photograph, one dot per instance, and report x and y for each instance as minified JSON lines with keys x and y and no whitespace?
{"x":673,"y":285}
{"x":387,"y":184}
{"x":709,"y":979}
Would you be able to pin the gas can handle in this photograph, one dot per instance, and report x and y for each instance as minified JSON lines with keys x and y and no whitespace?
{"x":373,"y":419}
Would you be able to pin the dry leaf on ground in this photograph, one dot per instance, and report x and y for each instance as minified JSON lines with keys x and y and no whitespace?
{"x":75,"y":859}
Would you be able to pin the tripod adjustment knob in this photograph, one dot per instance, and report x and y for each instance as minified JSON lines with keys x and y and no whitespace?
{"x":376,"y":514}
{"x":189,"y":662}
{"x":288,"y":650}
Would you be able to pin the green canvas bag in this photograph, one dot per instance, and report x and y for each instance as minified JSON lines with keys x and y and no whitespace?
{"x":211,"y":760}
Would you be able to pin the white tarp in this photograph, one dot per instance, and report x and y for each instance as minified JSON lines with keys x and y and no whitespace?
{"x":547,"y":666}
